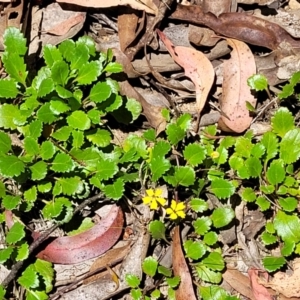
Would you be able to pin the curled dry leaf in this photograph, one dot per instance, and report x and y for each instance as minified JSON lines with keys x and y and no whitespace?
{"x":259,"y":291}
{"x":196,"y":66}
{"x":236,"y":92}
{"x":148,"y":7}
{"x":185,"y":289}
{"x":241,"y":26}
{"x":88,"y":244}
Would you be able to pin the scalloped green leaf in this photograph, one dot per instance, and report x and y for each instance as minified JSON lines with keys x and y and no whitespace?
{"x":106,"y":169}
{"x":254,"y":166}
{"x":11,"y":166}
{"x":214,"y":261}
{"x":29,"y":278}
{"x":208,"y":275}
{"x":89,"y":72}
{"x":282,"y":121}
{"x":8,"y":88}
{"x":15,"y":66}
{"x":5,"y":255}
{"x":38,"y":170}
{"x":45,"y":114}
{"x":276,"y":172}
{"x":70,"y":185}
{"x":290,"y":146}
{"x":15,"y":233}
{"x":202,"y":225}
{"x":7,"y":114}
{"x":222,"y":188}
{"x":184,"y":176}
{"x":54,"y":208}
{"x":268,"y":238}
{"x":79,"y":120}
{"x":22,"y":252}
{"x":159,"y":166}
{"x":287,"y":226}
{"x":14,"y":41}
{"x":263,"y":203}
{"x":157,"y":229}
{"x":51,"y":55}
{"x":222,"y":216}
{"x":100,"y":92}
{"x":5,"y":143}
{"x":210,"y":238}
{"x":113,"y":67}
{"x":161,"y":148}
{"x":11,"y":202}
{"x":46,"y":270}
{"x":60,"y":72}
{"x":194,"y":249}
{"x":63,"y":133}
{"x":243,"y":147}
{"x":149,"y":266}
{"x":114,"y":191}
{"x":101,"y":137}
{"x":272,"y":263}
{"x":175,"y":133}
{"x":59,"y":106}
{"x":257,"y":82}
{"x":31,"y":146}
{"x":248,"y":194}
{"x":198,"y":205}
{"x":47,"y":150}
{"x":134,"y":107}
{"x":79,"y":57}
{"x":288,"y":203}
{"x":62,"y":163}
{"x":194,"y":154}
{"x":270,"y":141}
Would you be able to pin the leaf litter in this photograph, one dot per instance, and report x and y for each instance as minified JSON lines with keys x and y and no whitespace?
{"x":241,"y":30}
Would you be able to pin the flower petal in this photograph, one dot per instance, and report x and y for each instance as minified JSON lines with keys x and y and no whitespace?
{"x":157,"y":192}
{"x":150,"y":192}
{"x":147,"y":199}
{"x":153,"y":205}
{"x":169,"y":211}
{"x":181,"y":214}
{"x":173,"y":204}
{"x":161,"y":201}
{"x":180,"y":206}
{"x":173,"y":216}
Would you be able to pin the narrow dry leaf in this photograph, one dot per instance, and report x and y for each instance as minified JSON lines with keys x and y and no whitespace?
{"x":285,"y":284}
{"x":236,"y":92}
{"x":109,"y":258}
{"x":148,"y":7}
{"x":185,"y":289}
{"x":239,"y":282}
{"x":88,"y":244}
{"x":127,"y":26}
{"x":196,"y":66}
{"x":259,"y":291}
{"x":65,"y":26}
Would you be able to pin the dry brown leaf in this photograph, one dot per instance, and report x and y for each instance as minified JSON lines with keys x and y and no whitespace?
{"x":216,"y":7}
{"x":238,"y":282}
{"x":236,"y":92}
{"x":285,"y":284}
{"x":63,"y":27}
{"x":196,"y":66}
{"x":127,"y":26}
{"x":259,"y":291}
{"x":239,"y":26}
{"x":185,"y":289}
{"x":148,"y":7}
{"x":109,"y":258}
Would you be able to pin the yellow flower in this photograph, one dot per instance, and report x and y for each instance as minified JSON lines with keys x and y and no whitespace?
{"x":176,"y":210}
{"x":215,"y":154}
{"x":153,"y":198}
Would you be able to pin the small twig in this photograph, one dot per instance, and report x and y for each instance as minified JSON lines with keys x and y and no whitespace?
{"x":17,"y":266}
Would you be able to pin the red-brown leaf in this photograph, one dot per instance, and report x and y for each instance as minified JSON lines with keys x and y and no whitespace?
{"x":196,"y":66}
{"x":88,"y":244}
{"x":185,"y":290}
{"x":235,"y":91}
